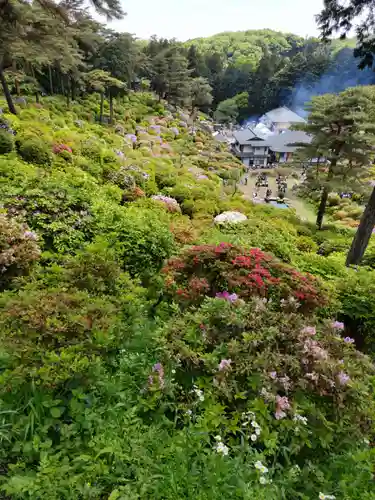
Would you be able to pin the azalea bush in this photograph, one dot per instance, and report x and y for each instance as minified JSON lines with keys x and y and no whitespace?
{"x":266,"y":380}
{"x":19,"y":250}
{"x":208,"y":270}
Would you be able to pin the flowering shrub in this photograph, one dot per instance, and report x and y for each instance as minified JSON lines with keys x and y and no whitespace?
{"x":170,"y":203}
{"x":18,"y":250}
{"x":133,"y":194}
{"x":209,"y":270}
{"x":60,"y":148}
{"x":307,"y":390}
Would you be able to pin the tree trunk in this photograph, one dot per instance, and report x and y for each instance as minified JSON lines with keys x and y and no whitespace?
{"x":322,"y":208}
{"x":62,"y":84}
{"x":12,"y":108}
{"x":363,"y":234}
{"x":101,"y":107}
{"x":68,"y":93}
{"x":110,"y":108}
{"x":50,"y":80}
{"x":73,"y":86}
{"x":37,"y":97}
{"x":17,"y":86}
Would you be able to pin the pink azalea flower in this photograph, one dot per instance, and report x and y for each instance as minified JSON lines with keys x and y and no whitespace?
{"x":224,"y":364}
{"x":309,"y":330}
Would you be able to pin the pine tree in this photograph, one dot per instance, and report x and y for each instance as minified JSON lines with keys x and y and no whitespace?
{"x":102,"y":82}
{"x":343,"y":133}
{"x":201,"y":95}
{"x":178,"y":78}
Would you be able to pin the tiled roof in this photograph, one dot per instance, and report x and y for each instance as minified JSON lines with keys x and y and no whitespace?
{"x":284,"y":115}
{"x":283,"y":143}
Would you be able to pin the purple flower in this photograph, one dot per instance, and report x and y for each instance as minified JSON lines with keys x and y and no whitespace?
{"x":343,"y":378}
{"x":132,"y":137}
{"x":224,"y":364}
{"x":30,"y":235}
{"x":349,"y":340}
{"x":309,"y":330}
{"x":202,"y":177}
{"x":158,"y":368}
{"x":119,"y":153}
{"x":338,"y":325}
{"x":175,"y":130}
{"x":156,"y":128}
{"x":230,"y":297}
{"x":279,"y":414}
{"x":273,"y":375}
{"x":165,"y":199}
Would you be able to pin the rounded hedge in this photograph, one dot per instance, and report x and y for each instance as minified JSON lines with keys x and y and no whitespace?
{"x":6,"y":142}
{"x":34,"y":151}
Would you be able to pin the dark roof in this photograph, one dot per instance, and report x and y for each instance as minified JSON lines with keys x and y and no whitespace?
{"x":283,"y":143}
{"x":246,"y":136}
{"x":284,"y":115}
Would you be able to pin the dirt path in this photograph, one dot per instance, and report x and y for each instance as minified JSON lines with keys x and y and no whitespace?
{"x":302,"y":208}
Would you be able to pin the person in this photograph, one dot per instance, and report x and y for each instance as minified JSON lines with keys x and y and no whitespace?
{"x":268,"y":194}
{"x":246,"y":178}
{"x":255,"y":194}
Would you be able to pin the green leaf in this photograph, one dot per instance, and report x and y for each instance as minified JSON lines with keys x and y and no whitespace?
{"x":56,"y":412}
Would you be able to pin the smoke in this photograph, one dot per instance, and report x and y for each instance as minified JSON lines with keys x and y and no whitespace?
{"x":250,"y":122}
{"x":342,"y":74}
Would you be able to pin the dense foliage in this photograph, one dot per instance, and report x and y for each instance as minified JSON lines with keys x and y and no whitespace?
{"x":148,"y":353}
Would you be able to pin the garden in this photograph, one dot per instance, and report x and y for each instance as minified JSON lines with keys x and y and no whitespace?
{"x":147,"y":352}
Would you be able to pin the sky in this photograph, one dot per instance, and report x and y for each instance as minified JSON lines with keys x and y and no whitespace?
{"x":185,"y":19}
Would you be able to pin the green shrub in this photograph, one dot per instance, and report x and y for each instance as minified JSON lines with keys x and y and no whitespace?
{"x":34,"y":151}
{"x":357,"y":298}
{"x":141,"y":237}
{"x":306,"y":244}
{"x":6,"y":142}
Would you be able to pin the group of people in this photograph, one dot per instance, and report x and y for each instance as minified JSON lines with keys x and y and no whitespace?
{"x":262,"y":180}
{"x":282,"y":186}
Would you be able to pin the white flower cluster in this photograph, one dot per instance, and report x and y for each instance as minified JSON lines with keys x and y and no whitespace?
{"x":263,"y":470}
{"x":300,"y":419}
{"x":323,"y":496}
{"x":198,"y":393}
{"x":220,"y":446}
{"x":249,"y":420}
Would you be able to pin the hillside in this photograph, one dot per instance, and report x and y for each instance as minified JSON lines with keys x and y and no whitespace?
{"x":148,"y":353}
{"x":246,"y":47}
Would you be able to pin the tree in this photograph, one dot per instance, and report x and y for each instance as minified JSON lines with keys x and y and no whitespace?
{"x":121,"y":56}
{"x":363,"y":234}
{"x":196,"y":63}
{"x":342,"y":16}
{"x":102,"y":82}
{"x":170,"y":76}
{"x":343,"y":133}
{"x":200,"y":91}
{"x":33,"y":37}
{"x":227,"y":111}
